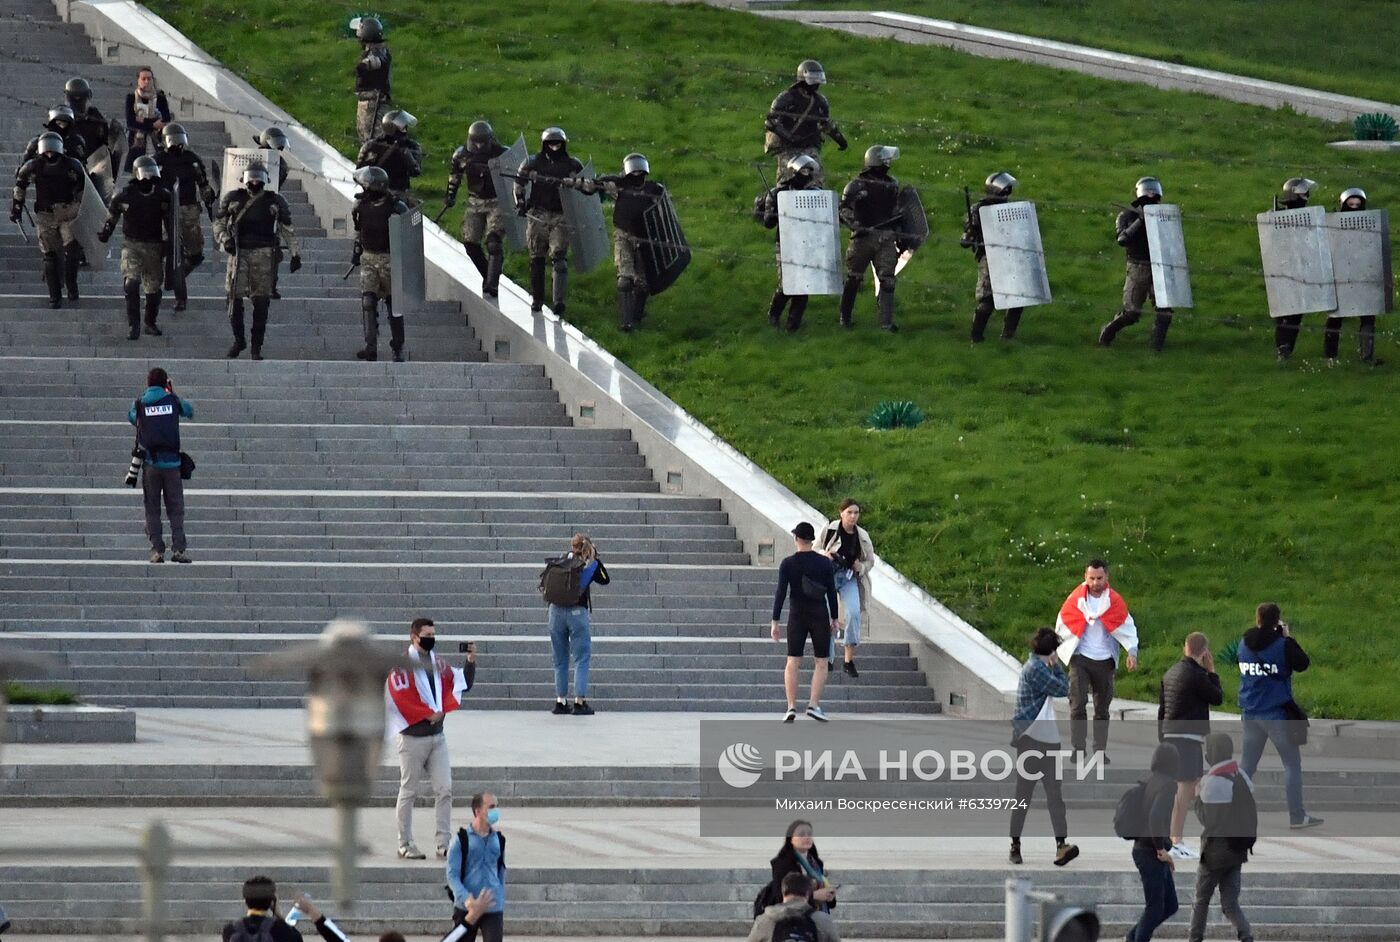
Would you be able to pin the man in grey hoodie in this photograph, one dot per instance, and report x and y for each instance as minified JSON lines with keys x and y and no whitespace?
{"x":1151,"y":853}
{"x":1229,"y":822}
{"x":796,"y":914}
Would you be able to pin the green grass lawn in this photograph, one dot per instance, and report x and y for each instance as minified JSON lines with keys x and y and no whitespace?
{"x":1328,"y":46}
{"x":1210,"y":477}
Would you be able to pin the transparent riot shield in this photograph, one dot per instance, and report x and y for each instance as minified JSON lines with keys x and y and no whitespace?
{"x":92,"y":216}
{"x":588,"y":233}
{"x":509,"y":163}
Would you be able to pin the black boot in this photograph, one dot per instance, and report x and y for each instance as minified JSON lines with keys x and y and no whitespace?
{"x":1111,"y":329}
{"x":260,"y":309}
{"x":981,"y":315}
{"x":395,"y":332}
{"x":561,"y":286}
{"x":1013,"y":320}
{"x":132,"y":290}
{"x":795,"y":312}
{"x":775,"y":308}
{"x":1366,"y":341}
{"x":1331,"y":337}
{"x":192,"y":262}
{"x":537,"y":284}
{"x":1286,"y":335}
{"x":495,"y":261}
{"x":152,"y":312}
{"x":369,"y":320}
{"x":71,"y":253}
{"x":478,"y":257}
{"x":625,"y":307}
{"x":1161,"y":323}
{"x":53,"y":277}
{"x":887,"y":311}
{"x":640,"y":302}
{"x":235,"y":321}
{"x":848,"y":301}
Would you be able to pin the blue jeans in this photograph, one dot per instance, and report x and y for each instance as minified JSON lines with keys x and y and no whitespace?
{"x":571,"y":636}
{"x":1158,"y":894}
{"x":1271,"y":726}
{"x":848,"y":587}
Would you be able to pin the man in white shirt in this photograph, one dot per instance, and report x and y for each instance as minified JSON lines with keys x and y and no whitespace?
{"x":1094,"y":626}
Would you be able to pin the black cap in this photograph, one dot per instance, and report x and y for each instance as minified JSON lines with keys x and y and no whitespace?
{"x":804,"y":531}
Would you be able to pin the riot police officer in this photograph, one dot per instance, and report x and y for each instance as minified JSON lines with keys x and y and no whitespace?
{"x":183,"y":174}
{"x":998,"y":188}
{"x":97,"y":133}
{"x":799,"y":117}
{"x":274,"y":138}
{"x":374,"y":207}
{"x":870,"y":209}
{"x":634,"y":194}
{"x":396,"y":153}
{"x":371,"y":76}
{"x":546,"y":232}
{"x":800,"y":173}
{"x":59,"y":182}
{"x":60,"y":121}
{"x":1131,"y":227}
{"x":1295,"y":195}
{"x":249,"y":223}
{"x":143,"y":207}
{"x":483,"y":218}
{"x":1351,"y":201}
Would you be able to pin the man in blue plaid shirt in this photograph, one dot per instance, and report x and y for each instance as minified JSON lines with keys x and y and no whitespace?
{"x":1036,"y":737}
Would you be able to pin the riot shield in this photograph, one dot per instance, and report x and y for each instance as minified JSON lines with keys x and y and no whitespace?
{"x":665,"y":253}
{"x":175,"y":256}
{"x":216,"y":174}
{"x":588,"y":233}
{"x":406,"y":261}
{"x":809,"y":246}
{"x":1166,"y":241}
{"x":913,"y":231}
{"x":99,"y":167}
{"x":92,"y":216}
{"x":116,"y":136}
{"x":1360,"y":245}
{"x":237,"y":159}
{"x":1015,"y":257}
{"x":1297,"y":260}
{"x":510,"y":162}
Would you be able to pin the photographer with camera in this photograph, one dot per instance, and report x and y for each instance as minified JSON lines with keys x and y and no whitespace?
{"x":852,"y":555}
{"x":156,"y":415}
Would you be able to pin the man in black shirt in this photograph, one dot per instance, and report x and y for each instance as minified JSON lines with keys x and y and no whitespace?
{"x":1131,"y":226}
{"x":808,"y":577}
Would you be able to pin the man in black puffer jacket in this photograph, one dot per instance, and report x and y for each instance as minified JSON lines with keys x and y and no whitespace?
{"x":1151,"y":853}
{"x":1190,"y":688}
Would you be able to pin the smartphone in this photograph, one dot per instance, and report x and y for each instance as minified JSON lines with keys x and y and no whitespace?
{"x":466,"y":647}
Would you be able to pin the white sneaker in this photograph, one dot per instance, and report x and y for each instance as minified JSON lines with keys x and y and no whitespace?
{"x":790,"y":715}
{"x":1181,"y":852}
{"x":411,"y":852}
{"x":815,"y":712}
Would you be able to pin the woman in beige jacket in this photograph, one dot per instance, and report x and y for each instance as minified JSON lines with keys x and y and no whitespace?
{"x":850,"y":550}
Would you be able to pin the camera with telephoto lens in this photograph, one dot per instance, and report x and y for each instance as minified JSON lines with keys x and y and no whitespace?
{"x":133,"y":471}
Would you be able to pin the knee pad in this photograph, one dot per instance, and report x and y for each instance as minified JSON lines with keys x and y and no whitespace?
{"x":984,"y":307}
{"x":493,"y":244}
{"x":131,"y":286}
{"x":625,"y":284}
{"x":560,"y":263}
{"x":50,"y":258}
{"x":887,"y":285}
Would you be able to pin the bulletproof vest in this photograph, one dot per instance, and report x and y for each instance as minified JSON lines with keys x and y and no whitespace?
{"x":1265,"y":680}
{"x":54,"y":183}
{"x":632,"y":203}
{"x":802,"y":114}
{"x":393,"y":156}
{"x":374,"y":80}
{"x":1136,"y":246}
{"x":158,"y":426}
{"x":478,"y":173}
{"x":371,"y":217}
{"x":93,"y":129}
{"x":143,"y":212}
{"x":974,"y":222}
{"x":181,"y":171}
{"x":543,"y":194}
{"x":878,"y":205}
{"x":258,"y":227}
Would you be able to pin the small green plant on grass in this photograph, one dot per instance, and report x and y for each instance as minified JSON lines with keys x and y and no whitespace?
{"x":892,"y":414}
{"x":1374,"y":127}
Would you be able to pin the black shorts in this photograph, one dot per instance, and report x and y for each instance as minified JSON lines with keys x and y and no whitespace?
{"x":799,"y":628}
{"x":1191,"y":763}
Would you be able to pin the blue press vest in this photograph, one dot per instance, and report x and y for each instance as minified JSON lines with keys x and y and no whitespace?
{"x":1266,"y":682}
{"x":159,"y":426}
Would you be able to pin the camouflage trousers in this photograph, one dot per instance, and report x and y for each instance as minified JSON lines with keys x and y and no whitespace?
{"x":628,"y":258}
{"x":250,"y":274}
{"x":877,"y":248}
{"x":144,"y":262}
{"x":55,"y":227}
{"x":191,"y":236}
{"x":375,"y":276}
{"x":483,"y":217}
{"x":367,"y":114}
{"x":546,"y":233}
{"x":783,"y":154}
{"x":1137,"y":288}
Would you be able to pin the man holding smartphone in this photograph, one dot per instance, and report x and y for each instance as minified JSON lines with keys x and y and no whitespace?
{"x":418,"y":702}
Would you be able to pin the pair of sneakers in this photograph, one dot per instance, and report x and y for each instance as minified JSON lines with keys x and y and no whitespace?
{"x":814,"y":711}
{"x":1064,"y":853}
{"x":179,"y":556}
{"x":580,"y":708}
{"x":1180,"y":851}
{"x":411,"y":852}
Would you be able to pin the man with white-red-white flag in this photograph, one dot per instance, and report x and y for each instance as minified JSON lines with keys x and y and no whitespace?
{"x":417,"y":702}
{"x":1094,"y":624}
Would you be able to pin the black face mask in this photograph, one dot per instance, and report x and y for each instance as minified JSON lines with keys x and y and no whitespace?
{"x":146,"y":185}
{"x":255,"y":187}
{"x":426,"y":642}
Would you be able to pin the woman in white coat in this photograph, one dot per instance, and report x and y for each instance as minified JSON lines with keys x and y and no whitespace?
{"x":851,"y":553}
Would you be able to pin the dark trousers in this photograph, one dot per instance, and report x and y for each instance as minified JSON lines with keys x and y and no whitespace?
{"x":1286,"y":334}
{"x":1158,"y":894}
{"x":1044,"y":766}
{"x":1229,"y":883}
{"x":155,"y":484}
{"x":490,"y":927}
{"x":1086,"y":676}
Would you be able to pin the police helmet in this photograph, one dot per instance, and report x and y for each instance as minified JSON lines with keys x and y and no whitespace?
{"x":145,"y":168}
{"x":1148,"y":187}
{"x":50,"y":143}
{"x":174,"y":135}
{"x":803,"y":163}
{"x":370,"y":29}
{"x":1000,"y":183}
{"x":273,"y":137}
{"x":255,"y":172}
{"x":880,"y":155}
{"x":61,"y":113}
{"x":480,"y":132}
{"x":635,"y":163}
{"x":373,"y":179}
{"x":1354,"y":193}
{"x":810,"y":71}
{"x":78,"y":90}
{"x":398,"y":120}
{"x":554,"y":135}
{"x":1298,"y":187}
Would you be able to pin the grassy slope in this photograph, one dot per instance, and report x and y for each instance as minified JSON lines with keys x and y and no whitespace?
{"x":1212,"y":478}
{"x":1300,"y":42}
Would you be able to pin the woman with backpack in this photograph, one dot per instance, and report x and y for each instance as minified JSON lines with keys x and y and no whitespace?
{"x":852,"y":556}
{"x":565,"y":584}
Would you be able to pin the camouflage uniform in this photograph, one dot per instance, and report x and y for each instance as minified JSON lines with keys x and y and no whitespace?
{"x":482,"y":217}
{"x":625,"y":256}
{"x":1137,"y":287}
{"x":144,"y":262}
{"x":368,"y":110}
{"x":546,"y":234}
{"x":250,"y":274}
{"x":375,"y":277}
{"x":191,"y":234}
{"x":55,"y":226}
